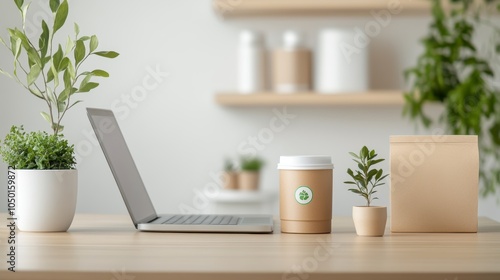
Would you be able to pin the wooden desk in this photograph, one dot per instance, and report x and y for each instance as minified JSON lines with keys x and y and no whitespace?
{"x":108,"y":247}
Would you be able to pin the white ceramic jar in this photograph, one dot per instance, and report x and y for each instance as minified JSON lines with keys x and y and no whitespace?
{"x":251,"y":63}
{"x":341,"y":62}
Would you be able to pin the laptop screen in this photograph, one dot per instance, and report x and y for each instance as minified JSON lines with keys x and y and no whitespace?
{"x":122,"y":165}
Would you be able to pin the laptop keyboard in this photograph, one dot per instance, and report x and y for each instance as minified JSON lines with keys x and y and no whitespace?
{"x":202,"y":220}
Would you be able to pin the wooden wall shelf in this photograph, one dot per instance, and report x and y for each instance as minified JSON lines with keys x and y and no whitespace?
{"x":232,"y":8}
{"x":372,"y":98}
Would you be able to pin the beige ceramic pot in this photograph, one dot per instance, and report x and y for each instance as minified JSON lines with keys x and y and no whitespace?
{"x":369,"y":220}
{"x":248,"y":180}
{"x":230,"y":180}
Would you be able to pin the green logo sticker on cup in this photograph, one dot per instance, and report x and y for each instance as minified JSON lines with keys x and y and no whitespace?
{"x":303,"y":195}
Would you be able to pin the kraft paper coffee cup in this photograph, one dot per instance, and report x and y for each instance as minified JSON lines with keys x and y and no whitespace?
{"x":306,"y":190}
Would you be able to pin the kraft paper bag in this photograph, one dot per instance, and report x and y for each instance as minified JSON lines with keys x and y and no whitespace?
{"x":434,"y":183}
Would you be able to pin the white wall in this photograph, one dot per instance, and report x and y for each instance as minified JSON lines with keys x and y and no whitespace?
{"x":177,"y":133}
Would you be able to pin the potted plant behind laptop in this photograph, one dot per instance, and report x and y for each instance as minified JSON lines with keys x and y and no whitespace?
{"x":249,"y":176}
{"x":42,"y":165}
{"x":230,"y":176}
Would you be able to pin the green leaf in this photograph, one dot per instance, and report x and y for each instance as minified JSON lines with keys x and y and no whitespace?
{"x":88,"y":87}
{"x":57,"y":58}
{"x":67,"y":80}
{"x":50,"y":75}
{"x":36,"y":92}
{"x":19,"y":4}
{"x":108,"y":54}
{"x":354,"y":155}
{"x":371,"y":173}
{"x":15,"y":33}
{"x":24,"y":11}
{"x":33,"y":57}
{"x":364,"y":152}
{"x":383,"y":177}
{"x":361,"y":166}
{"x":76,"y":102}
{"x":64,"y":64}
{"x":93,"y":43}
{"x":61,"y":99}
{"x":43,"y":42}
{"x":86,"y":80}
{"x":33,"y":74}
{"x":46,"y":117}
{"x":51,"y":96}
{"x":58,"y":128}
{"x":375,"y":161}
{"x":79,"y":51}
{"x":55,"y":75}
{"x":355,"y":191}
{"x":77,"y":30}
{"x":84,"y":38}
{"x":71,"y":70}
{"x":69,"y":45}
{"x":100,"y":73}
{"x":54,"y":4}
{"x":61,"y":106}
{"x":61,"y":15}
{"x":16,"y":50}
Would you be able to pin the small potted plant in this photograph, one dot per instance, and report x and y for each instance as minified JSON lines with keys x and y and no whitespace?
{"x":230,"y":175}
{"x":248,"y":178}
{"x":45,"y":164}
{"x":369,"y":220}
{"x":46,"y":179}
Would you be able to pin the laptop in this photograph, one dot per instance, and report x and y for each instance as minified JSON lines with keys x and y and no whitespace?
{"x":137,"y":199}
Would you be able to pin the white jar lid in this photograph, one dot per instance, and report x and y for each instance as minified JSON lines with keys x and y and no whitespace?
{"x":293,"y":39}
{"x":250,"y":37}
{"x":305,"y":162}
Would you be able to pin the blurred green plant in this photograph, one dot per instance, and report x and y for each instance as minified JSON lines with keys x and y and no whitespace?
{"x":251,"y":163}
{"x":36,"y":150}
{"x":452,"y":71}
{"x":229,"y":165}
{"x":52,"y":72}
{"x":366,"y":178}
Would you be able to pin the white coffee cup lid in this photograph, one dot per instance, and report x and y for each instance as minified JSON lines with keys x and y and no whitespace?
{"x":305,"y":162}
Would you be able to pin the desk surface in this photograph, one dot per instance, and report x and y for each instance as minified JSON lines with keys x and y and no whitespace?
{"x":108,"y":247}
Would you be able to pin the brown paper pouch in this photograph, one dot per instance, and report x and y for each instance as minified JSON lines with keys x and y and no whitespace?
{"x":434,"y":183}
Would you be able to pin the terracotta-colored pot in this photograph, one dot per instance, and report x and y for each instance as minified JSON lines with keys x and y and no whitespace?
{"x":230,"y":180}
{"x":248,"y":180}
{"x":369,"y":220}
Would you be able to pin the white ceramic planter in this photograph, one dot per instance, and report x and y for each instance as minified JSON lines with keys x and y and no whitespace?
{"x":369,"y":221}
{"x":46,"y":199}
{"x":248,"y":180}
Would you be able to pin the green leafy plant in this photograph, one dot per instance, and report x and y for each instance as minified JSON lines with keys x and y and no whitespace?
{"x":37,"y":150}
{"x":53,"y":72}
{"x":251,"y":164}
{"x":366,"y":179}
{"x":229,"y":165}
{"x":454,"y":72}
